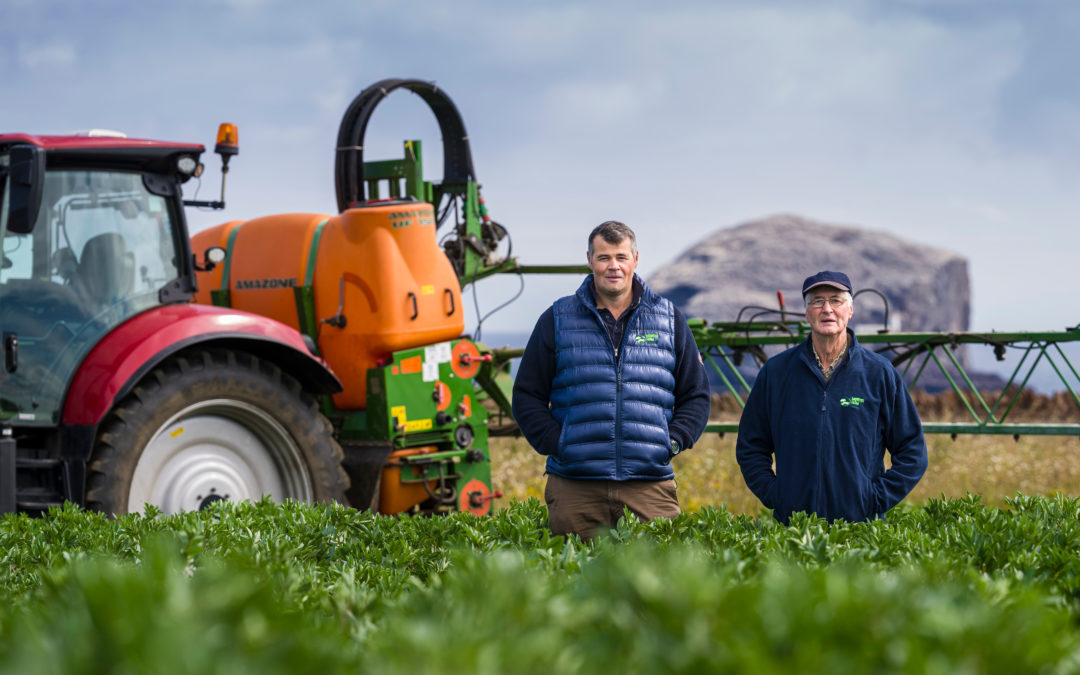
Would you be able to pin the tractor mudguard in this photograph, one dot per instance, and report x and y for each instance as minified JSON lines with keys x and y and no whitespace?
{"x":133,"y":348}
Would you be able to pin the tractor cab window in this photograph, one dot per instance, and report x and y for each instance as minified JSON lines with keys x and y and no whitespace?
{"x":102,"y":247}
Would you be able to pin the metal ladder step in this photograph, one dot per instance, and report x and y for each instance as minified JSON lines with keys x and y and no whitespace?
{"x":37,"y":499}
{"x":35,"y":506}
{"x":35,"y":463}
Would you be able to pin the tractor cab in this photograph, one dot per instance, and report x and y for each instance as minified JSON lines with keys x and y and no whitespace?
{"x":93,"y":234}
{"x":116,"y":391}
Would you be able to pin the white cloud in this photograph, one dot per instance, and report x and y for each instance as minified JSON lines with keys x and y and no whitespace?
{"x":603,"y":102}
{"x":991,"y":213}
{"x":47,"y":55}
{"x":248,"y":5}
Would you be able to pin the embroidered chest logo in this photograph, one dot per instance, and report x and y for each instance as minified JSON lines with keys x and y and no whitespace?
{"x":647,"y":337}
{"x":853,"y":401}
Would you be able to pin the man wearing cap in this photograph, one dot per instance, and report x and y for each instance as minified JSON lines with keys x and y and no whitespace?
{"x":826,"y":411}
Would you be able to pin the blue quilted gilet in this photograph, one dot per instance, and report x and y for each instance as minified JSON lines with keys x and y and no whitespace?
{"x":614,"y":412}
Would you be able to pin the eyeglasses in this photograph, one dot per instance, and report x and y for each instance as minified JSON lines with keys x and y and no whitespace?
{"x":836,"y":302}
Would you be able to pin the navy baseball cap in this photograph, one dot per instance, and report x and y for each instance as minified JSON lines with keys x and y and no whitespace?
{"x":827,"y":278}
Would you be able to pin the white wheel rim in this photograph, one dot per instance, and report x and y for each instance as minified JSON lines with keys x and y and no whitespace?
{"x":218,"y":449}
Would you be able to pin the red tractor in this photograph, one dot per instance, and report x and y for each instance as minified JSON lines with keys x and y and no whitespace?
{"x":116,"y":390}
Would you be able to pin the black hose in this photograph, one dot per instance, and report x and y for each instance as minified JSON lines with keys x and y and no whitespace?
{"x":349,"y":163}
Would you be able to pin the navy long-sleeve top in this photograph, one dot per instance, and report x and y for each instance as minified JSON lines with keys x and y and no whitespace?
{"x":828,"y":439}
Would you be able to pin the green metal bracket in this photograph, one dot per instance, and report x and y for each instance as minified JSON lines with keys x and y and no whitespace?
{"x":475,"y":265}
{"x":410,"y":169}
{"x":220,"y":297}
{"x":431,"y":457}
{"x":304,"y":294}
{"x":492,"y":378}
{"x":513,"y":267}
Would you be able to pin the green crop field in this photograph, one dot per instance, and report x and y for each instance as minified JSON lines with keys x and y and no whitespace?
{"x":947,"y":586}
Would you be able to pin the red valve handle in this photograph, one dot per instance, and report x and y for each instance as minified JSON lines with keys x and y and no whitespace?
{"x":479,"y":499}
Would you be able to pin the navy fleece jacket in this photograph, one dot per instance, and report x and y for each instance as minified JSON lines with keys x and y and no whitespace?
{"x":829,"y":440}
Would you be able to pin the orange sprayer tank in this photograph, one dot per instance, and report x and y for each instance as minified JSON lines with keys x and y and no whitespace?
{"x":379,"y":267}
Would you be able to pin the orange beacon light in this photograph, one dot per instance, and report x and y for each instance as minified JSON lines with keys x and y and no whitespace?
{"x":228,"y":141}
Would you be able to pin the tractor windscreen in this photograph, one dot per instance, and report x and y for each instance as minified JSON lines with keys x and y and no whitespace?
{"x":102,"y":247}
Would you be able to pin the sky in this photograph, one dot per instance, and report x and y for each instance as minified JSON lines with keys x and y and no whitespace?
{"x":951,"y":123}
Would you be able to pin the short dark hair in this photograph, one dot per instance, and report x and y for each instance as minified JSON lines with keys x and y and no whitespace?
{"x":613,"y":232}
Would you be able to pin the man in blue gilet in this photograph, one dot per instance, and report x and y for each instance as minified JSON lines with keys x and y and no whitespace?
{"x":610,"y":388}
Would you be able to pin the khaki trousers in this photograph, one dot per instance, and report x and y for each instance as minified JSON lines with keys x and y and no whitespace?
{"x":587,"y":507}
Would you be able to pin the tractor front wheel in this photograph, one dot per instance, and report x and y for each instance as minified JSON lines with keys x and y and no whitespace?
{"x":212,"y":425}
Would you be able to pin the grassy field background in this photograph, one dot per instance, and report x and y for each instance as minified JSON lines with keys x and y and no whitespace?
{"x":994,"y":467}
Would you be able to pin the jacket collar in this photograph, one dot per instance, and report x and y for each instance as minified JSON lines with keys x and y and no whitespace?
{"x":811,"y":360}
{"x":587,"y":292}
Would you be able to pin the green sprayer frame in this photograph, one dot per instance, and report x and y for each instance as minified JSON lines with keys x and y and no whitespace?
{"x":724,"y":346}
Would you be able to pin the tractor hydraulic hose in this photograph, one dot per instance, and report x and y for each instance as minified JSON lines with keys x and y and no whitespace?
{"x":349,"y":165}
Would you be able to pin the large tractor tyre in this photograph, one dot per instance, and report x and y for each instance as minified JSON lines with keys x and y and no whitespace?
{"x":211,"y":425}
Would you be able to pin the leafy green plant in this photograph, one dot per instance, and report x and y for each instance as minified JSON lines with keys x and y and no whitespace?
{"x":949,"y":586}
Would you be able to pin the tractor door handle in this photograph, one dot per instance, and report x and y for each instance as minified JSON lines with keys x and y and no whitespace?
{"x":415,"y":311}
{"x":11,"y":352}
{"x":453,"y":308}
